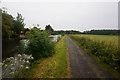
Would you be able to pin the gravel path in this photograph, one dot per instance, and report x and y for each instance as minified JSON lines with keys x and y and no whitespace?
{"x":82,"y":65}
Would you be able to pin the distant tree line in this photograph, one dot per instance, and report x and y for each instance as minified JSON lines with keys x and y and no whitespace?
{"x":50,"y":30}
{"x":67,"y":32}
{"x":103,"y":32}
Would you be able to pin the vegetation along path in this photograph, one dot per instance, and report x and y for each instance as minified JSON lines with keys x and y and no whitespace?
{"x":82,"y":65}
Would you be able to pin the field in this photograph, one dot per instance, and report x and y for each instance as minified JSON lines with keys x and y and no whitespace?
{"x":109,"y":39}
{"x":103,"y":49}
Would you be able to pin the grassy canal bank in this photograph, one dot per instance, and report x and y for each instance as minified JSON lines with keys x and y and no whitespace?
{"x":56,"y":66}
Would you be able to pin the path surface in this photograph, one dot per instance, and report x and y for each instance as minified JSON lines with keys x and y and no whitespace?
{"x":82,"y":65}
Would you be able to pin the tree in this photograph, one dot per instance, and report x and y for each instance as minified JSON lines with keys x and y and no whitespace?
{"x":7,"y":25}
{"x":19,"y":24}
{"x":49,"y":29}
{"x":32,"y":32}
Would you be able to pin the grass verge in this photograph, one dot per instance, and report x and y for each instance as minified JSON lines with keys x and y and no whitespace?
{"x":104,"y":66}
{"x":56,"y":66}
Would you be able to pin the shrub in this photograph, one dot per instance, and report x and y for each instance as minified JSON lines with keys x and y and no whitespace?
{"x":58,"y":38}
{"x":40,"y":45}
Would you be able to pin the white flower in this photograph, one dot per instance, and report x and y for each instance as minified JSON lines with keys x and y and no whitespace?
{"x":12,"y":68}
{"x":28,"y":57}
{"x":5,"y":65}
{"x":19,"y":55}
{"x":15,"y":59}
{"x":12,"y":64}
{"x":32,"y":58}
{"x":27,"y":67}
{"x":11,"y":58}
{"x":23,"y":61}
{"x":4,"y":61}
{"x":21,"y":66}
{"x":27,"y":62}
{"x":7,"y":59}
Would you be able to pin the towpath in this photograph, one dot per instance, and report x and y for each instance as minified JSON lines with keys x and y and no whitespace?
{"x":82,"y":65}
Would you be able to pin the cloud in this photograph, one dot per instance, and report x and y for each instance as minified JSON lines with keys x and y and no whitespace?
{"x":60,"y":1}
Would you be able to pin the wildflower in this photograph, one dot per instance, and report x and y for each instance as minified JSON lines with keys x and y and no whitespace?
{"x":27,"y":62}
{"x":27,"y":67}
{"x":15,"y":59}
{"x":6,"y":65}
{"x":11,"y":73}
{"x":23,"y":61}
{"x":32,"y":58}
{"x":12,"y":68}
{"x":11,"y":58}
{"x":28,"y":57}
{"x":21,"y":66}
{"x":12,"y":64}
{"x":4,"y":61}
{"x":8,"y":59}
{"x":19,"y":55}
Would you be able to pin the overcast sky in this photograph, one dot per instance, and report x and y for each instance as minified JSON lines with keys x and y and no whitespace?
{"x":66,"y":14}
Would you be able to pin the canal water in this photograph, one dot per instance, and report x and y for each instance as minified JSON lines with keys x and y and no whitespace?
{"x":9,"y":47}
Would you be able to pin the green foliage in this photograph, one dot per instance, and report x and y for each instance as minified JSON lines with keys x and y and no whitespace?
{"x":32,"y":32}
{"x":67,"y":32}
{"x":56,"y":66}
{"x":49,"y":29}
{"x":28,"y":34}
{"x":10,"y":27}
{"x":7,"y":25}
{"x":105,"y":52}
{"x":58,"y":38}
{"x":40,"y":45}
{"x":19,"y":24}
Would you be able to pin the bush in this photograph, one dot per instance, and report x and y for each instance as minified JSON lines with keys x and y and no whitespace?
{"x":58,"y":38}
{"x":40,"y":46}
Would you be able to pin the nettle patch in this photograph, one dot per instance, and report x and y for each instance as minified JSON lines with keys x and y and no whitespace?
{"x":14,"y":66}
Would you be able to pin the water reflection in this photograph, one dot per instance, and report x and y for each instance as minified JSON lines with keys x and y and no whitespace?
{"x":9,"y":47}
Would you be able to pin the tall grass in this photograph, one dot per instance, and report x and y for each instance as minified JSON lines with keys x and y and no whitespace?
{"x":105,"y":52}
{"x":109,"y":39}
